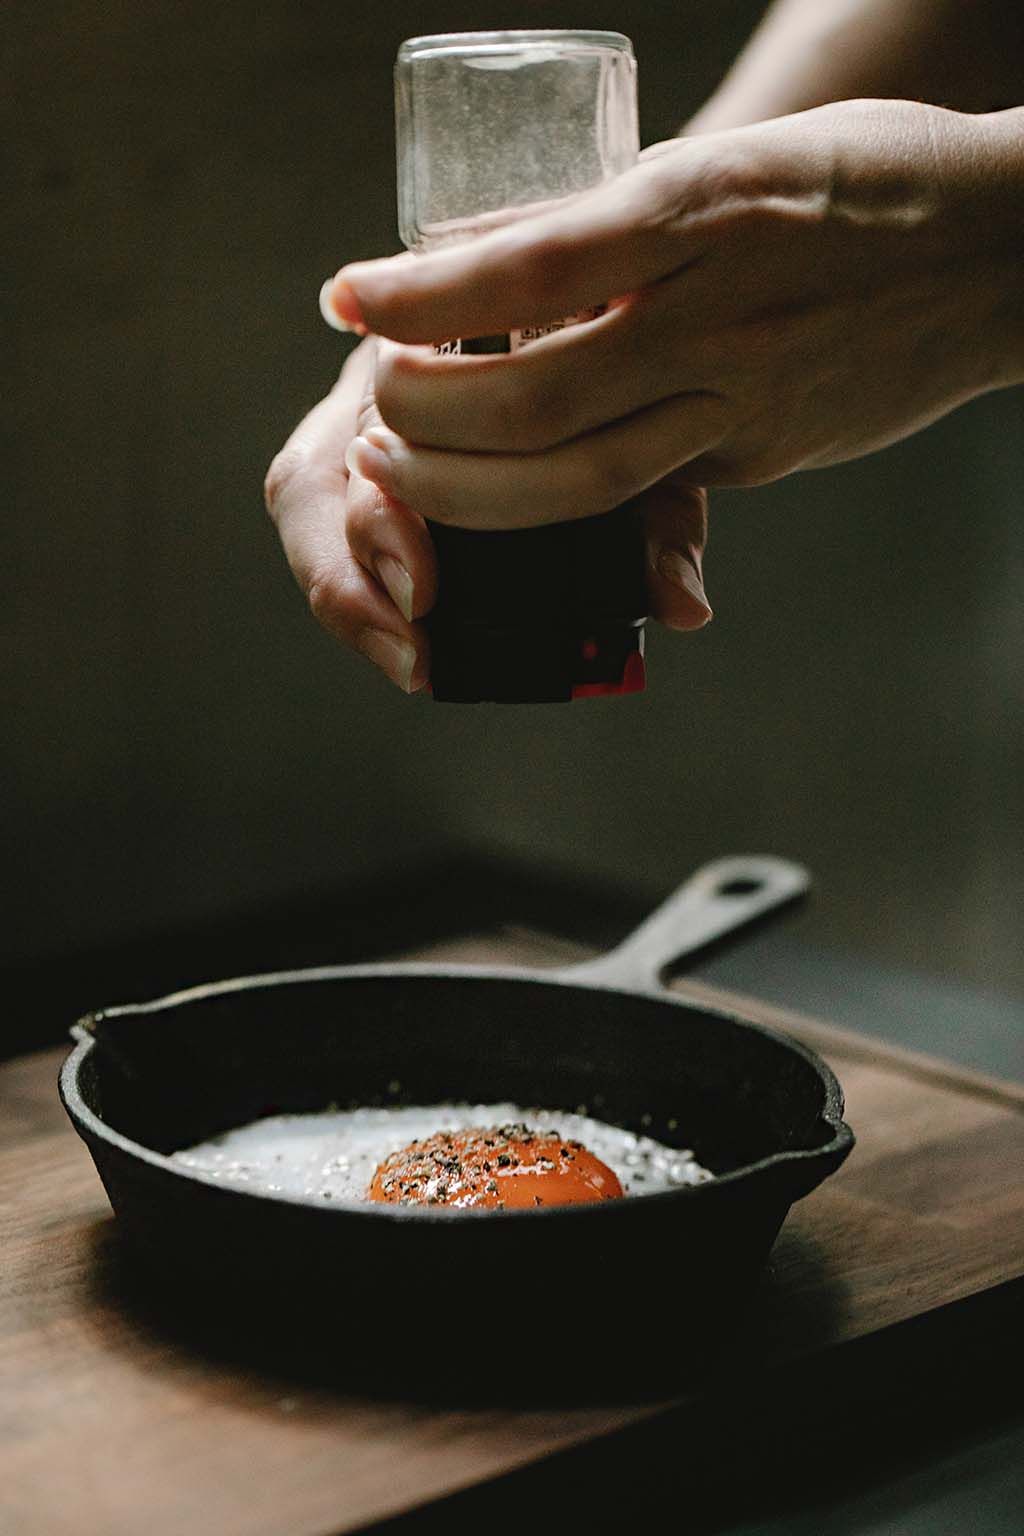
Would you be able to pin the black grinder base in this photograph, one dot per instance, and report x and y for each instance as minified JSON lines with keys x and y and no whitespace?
{"x":540,"y":615}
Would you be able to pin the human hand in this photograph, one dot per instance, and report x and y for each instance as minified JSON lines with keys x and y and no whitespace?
{"x":786,"y":295}
{"x":783,"y":296}
{"x":366,"y":561}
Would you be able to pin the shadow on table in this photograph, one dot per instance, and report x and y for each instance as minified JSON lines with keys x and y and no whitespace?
{"x":746,"y":1434}
{"x":525,"y":1340}
{"x":917,"y":1429}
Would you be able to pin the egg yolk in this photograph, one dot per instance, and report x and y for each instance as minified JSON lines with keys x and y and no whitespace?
{"x":507,"y":1167}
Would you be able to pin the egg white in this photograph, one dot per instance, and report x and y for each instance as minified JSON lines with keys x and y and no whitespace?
{"x":332,"y":1156}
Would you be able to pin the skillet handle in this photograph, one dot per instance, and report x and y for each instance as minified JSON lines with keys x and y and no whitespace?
{"x":721,"y":897}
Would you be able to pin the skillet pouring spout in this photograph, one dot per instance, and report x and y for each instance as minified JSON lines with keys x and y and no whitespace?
{"x":759,"y":1110}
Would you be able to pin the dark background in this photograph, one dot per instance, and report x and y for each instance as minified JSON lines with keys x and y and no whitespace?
{"x":186,"y":751}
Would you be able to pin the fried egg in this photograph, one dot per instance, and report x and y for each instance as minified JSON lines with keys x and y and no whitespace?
{"x":504,"y":1167}
{"x":365,"y":1154}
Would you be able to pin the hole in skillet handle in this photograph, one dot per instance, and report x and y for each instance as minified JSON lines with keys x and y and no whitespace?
{"x":740,"y":887}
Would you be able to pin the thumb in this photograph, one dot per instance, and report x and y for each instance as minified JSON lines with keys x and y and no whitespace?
{"x":676,"y":522}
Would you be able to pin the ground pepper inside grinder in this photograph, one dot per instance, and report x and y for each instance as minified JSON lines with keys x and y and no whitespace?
{"x":490,"y":125}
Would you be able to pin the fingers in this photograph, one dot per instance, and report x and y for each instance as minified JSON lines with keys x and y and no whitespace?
{"x":366,"y":562}
{"x":350,"y":602}
{"x":676,"y":523}
{"x":393,"y":543}
{"x":583,"y":251}
{"x":365,"y":585}
{"x":555,"y":389}
{"x":587,"y":475}
{"x":389,"y":540}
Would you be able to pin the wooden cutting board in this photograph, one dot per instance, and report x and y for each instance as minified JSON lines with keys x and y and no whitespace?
{"x":108,"y":1427}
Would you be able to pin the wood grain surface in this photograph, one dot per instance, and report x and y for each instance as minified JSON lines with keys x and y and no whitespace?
{"x":109,"y":1426}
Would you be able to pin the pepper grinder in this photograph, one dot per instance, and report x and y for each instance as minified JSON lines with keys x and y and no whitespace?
{"x":490,"y":127}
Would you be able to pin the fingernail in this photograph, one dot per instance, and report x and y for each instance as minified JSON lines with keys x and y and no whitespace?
{"x":398,"y":584}
{"x":340,"y":307}
{"x":393,"y":655}
{"x":363,"y":458}
{"x":682,"y":574}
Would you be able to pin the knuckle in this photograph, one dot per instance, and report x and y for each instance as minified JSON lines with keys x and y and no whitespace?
{"x":664,"y":195}
{"x":364,"y":517}
{"x":321,"y":599}
{"x":720,"y":183}
{"x":285,"y":467}
{"x":329,"y":593}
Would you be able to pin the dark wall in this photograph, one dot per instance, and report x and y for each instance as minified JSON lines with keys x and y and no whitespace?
{"x":183,"y":740}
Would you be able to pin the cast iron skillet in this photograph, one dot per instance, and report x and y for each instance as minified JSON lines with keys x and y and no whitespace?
{"x":498,"y":1289}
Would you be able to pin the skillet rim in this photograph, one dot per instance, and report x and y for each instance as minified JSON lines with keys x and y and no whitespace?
{"x":833,"y":1152}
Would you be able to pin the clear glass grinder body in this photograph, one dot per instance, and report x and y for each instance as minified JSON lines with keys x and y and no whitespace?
{"x":490,"y":127}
